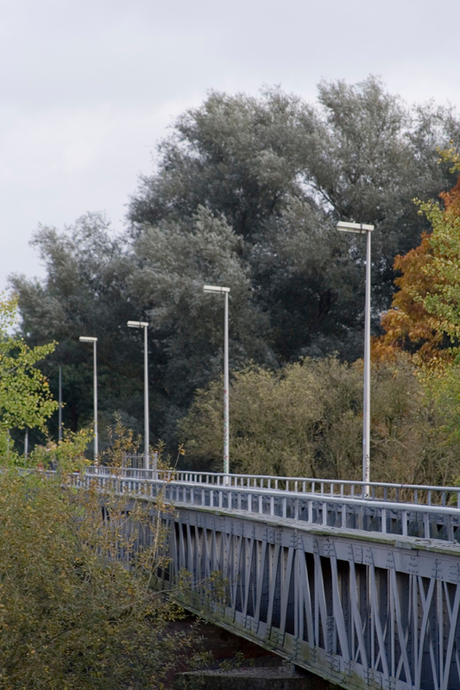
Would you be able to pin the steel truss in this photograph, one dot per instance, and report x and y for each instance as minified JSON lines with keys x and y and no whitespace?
{"x":365,"y":593}
{"x":362,"y":614}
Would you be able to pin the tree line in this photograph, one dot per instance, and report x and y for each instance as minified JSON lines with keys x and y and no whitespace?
{"x":246,"y":192}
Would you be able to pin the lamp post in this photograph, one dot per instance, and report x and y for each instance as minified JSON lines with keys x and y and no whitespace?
{"x":60,"y":405}
{"x":362,"y":229}
{"x":145,"y":325}
{"x":224,"y":291}
{"x":87,"y":339}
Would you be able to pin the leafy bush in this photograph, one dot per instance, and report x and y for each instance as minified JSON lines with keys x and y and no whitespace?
{"x":306,"y":420}
{"x":77,"y":607}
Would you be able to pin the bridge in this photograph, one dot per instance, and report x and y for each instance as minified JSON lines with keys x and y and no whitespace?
{"x":357,"y":583}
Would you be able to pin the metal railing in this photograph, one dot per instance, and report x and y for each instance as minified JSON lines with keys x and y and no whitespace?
{"x":418,"y":494}
{"x":320,"y":508}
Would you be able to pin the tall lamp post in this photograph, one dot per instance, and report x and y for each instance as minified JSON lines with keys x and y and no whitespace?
{"x":60,"y":405}
{"x":224,"y":291}
{"x":87,"y":339}
{"x":362,"y":229}
{"x":145,"y":325}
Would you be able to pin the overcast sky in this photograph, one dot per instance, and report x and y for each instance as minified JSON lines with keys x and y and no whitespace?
{"x":89,"y":87}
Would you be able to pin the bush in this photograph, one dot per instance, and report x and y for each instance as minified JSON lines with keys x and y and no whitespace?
{"x":306,"y":420}
{"x":73,"y":614}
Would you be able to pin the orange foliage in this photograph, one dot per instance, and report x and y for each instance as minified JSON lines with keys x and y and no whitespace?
{"x":452,"y":200}
{"x":407,"y":325}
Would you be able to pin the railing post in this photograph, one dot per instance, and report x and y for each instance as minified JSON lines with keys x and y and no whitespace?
{"x":404,"y":523}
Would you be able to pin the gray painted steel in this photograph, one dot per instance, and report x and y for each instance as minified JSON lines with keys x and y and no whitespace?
{"x":364,"y":592}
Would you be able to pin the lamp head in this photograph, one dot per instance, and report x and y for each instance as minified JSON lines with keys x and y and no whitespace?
{"x":87,"y":339}
{"x":215,"y":288}
{"x":359,"y":228}
{"x":138,"y":324}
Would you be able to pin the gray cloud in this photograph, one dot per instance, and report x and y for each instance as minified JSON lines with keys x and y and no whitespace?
{"x":88,"y":88}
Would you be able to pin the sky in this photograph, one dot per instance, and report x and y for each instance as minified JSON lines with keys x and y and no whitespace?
{"x":88,"y":88}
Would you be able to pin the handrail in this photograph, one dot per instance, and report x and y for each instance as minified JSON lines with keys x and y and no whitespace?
{"x":383,"y":517}
{"x":371,"y":491}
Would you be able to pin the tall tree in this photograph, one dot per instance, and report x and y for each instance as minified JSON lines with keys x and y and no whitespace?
{"x":172,"y":262}
{"x":84,"y":294}
{"x":282,"y":172}
{"x":246,"y":192}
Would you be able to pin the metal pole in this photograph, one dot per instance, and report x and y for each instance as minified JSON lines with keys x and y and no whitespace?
{"x":146,"y":404}
{"x":95,"y":401}
{"x":60,"y":405}
{"x":219,"y":290}
{"x":26,"y":443}
{"x":91,"y":339}
{"x":367,"y":371}
{"x":362,"y":228}
{"x":226,"y":402}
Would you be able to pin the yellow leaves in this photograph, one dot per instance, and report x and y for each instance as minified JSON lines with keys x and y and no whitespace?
{"x":450,"y":155}
{"x":74,"y":614}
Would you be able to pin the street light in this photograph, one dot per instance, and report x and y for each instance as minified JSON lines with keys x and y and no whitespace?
{"x":362,"y":229}
{"x":225,"y":291}
{"x":145,"y":325}
{"x":60,"y":405}
{"x":87,"y":339}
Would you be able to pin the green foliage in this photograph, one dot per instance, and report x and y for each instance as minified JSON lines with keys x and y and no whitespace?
{"x":443,"y":300}
{"x":25,"y":398}
{"x":306,"y":420}
{"x":69,"y":455}
{"x":174,"y":260}
{"x":283,"y":423}
{"x":281,"y":172}
{"x":72,"y":613}
{"x":246,"y":192}
{"x":122,"y":442}
{"x":410,"y":441}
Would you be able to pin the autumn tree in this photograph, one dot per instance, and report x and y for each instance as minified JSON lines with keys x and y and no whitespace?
{"x":425,"y":315}
{"x":443,"y":300}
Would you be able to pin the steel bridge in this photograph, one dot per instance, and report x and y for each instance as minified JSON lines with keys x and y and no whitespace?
{"x":358,"y":584}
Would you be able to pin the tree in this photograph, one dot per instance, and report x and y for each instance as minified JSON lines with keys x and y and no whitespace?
{"x":443,"y":300}
{"x":246,"y":191}
{"x":425,"y":314}
{"x":408,"y":326}
{"x":95,"y":284}
{"x":282,"y":172}
{"x":25,"y":398}
{"x":84,"y":293}
{"x":74,"y":614}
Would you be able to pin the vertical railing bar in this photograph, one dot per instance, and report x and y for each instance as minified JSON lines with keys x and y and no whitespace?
{"x":404,"y":523}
